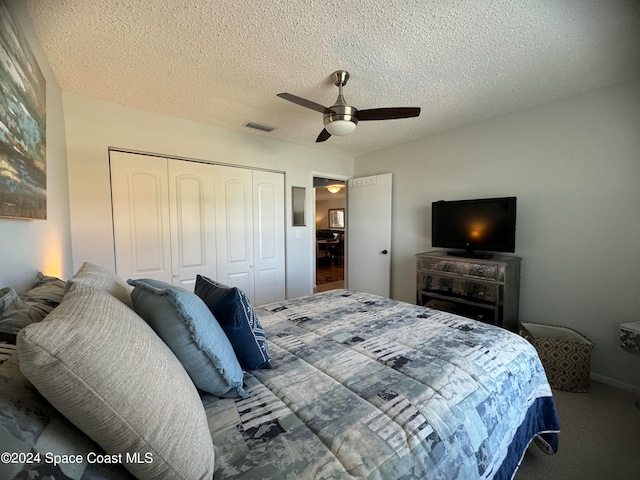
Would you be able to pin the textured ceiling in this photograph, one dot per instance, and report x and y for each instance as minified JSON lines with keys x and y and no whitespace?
{"x":222,"y":62}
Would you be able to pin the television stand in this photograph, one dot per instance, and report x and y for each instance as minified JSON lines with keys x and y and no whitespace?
{"x":469,"y":254}
{"x":487,"y":290}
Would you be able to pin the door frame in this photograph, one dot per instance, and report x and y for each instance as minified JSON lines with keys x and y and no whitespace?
{"x":312,"y":243}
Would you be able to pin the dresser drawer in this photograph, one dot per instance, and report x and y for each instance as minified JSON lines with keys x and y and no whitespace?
{"x":459,"y":287}
{"x":464,"y":269}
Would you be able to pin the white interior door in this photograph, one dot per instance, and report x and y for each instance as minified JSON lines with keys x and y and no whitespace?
{"x":369,"y":234}
{"x":268,"y":210}
{"x":141,"y":216}
{"x":192,"y":215}
{"x":234,"y":220}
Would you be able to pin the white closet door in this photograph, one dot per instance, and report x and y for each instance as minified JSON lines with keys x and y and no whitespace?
{"x":192,"y":214}
{"x":234,"y":228}
{"x":268,"y":208}
{"x":141,"y":216}
{"x":175,"y":219}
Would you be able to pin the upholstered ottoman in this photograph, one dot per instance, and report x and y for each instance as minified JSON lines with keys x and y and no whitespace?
{"x":565,"y":355}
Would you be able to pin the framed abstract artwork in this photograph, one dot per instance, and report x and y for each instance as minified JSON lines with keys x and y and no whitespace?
{"x":23,"y":165}
{"x":336,"y":218}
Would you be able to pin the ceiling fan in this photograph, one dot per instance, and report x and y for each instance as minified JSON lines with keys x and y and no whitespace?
{"x":340,"y":118}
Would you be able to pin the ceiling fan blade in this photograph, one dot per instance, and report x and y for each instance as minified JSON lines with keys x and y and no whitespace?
{"x":388,"y":113}
{"x":303,"y":102}
{"x":324,"y":135}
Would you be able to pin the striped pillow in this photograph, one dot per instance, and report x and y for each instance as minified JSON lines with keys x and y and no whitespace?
{"x":104,"y":368}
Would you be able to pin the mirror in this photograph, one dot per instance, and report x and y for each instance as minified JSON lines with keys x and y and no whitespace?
{"x":298,"y":206}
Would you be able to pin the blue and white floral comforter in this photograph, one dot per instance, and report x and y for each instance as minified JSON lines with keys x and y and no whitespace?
{"x":372,"y":388}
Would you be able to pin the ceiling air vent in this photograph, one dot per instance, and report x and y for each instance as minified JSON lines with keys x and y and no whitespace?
{"x":260,"y":126}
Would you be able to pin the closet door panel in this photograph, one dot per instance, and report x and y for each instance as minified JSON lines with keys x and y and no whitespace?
{"x":234,"y":228}
{"x":242,"y":280}
{"x":191,"y":193}
{"x":238,"y":225}
{"x":140,"y":215}
{"x":268,"y":207}
{"x":269,"y":286}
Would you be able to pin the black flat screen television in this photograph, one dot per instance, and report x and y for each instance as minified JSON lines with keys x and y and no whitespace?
{"x":474,"y":226}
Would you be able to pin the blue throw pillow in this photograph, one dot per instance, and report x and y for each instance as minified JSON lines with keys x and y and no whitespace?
{"x":187,"y":326}
{"x":232,"y":309}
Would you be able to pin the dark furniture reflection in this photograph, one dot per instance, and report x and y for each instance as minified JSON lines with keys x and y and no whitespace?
{"x":330,"y":247}
{"x":336,"y":251}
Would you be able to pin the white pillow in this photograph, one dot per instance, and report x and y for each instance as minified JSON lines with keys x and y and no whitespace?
{"x":106,"y":370}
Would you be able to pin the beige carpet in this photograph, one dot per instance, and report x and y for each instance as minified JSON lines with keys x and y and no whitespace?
{"x":600,"y":438}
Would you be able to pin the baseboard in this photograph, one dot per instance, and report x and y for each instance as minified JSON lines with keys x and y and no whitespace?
{"x":615,"y":383}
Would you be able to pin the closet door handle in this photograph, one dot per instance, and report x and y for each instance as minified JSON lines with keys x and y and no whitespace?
{"x":384,"y":252}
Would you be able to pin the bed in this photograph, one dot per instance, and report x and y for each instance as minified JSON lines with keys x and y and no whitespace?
{"x":360,"y":386}
{"x":368,"y":387}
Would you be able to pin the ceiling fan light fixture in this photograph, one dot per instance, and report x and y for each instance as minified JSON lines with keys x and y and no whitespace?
{"x":340,"y":128}
{"x":341,"y":119}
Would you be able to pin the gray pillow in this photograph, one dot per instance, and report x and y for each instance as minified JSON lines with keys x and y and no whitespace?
{"x":185,"y":323}
{"x":104,"y":368}
{"x":46,"y":292}
{"x":101,"y":277}
{"x":9,"y":299}
{"x":30,"y":425}
{"x":30,"y":307}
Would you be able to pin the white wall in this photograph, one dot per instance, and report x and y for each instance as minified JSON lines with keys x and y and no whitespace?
{"x":94,"y":126}
{"x":28,"y":246}
{"x":575,"y":167}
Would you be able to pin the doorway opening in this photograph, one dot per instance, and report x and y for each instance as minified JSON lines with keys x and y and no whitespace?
{"x":330,"y":233}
